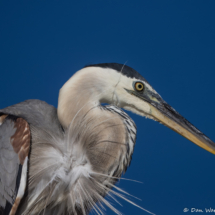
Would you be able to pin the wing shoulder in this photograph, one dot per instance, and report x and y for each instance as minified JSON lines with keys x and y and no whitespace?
{"x":15,"y":138}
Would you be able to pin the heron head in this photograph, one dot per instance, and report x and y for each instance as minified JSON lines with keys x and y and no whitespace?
{"x":129,"y":90}
{"x":124,"y":87}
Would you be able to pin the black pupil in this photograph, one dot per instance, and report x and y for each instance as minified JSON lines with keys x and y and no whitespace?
{"x":139,"y":86}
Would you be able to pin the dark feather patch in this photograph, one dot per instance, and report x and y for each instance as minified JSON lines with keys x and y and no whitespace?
{"x":15,"y":142}
{"x":124,"y":69}
{"x":21,"y":139}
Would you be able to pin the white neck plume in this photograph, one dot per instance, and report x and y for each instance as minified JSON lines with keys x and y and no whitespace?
{"x":86,"y":89}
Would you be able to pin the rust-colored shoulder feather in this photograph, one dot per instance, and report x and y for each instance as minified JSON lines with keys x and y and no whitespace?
{"x":14,"y":148}
{"x":21,"y":139}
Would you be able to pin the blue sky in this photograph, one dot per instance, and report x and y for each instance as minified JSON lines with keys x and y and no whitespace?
{"x":170,"y":43}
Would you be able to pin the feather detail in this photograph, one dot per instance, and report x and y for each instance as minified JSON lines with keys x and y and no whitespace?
{"x":80,"y":168}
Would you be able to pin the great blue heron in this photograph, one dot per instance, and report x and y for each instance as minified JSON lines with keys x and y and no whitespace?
{"x":78,"y":151}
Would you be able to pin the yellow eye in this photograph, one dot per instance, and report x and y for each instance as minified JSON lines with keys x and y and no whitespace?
{"x":139,"y":86}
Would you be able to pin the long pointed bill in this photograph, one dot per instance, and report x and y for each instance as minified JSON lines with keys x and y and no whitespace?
{"x":165,"y":114}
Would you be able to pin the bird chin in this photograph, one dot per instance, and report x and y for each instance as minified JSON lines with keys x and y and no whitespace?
{"x":143,"y":113}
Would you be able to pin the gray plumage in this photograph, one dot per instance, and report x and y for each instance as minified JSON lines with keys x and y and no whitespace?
{"x":9,"y":164}
{"x":85,"y":138}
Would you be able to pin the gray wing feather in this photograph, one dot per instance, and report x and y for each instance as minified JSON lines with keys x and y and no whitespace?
{"x":9,"y":164}
{"x":43,"y":121}
{"x":37,"y":113}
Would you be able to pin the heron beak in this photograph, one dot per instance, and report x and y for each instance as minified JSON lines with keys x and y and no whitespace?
{"x":169,"y":117}
{"x":164,"y":113}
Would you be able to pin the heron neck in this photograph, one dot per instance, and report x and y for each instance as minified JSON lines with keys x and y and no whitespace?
{"x":86,"y":89}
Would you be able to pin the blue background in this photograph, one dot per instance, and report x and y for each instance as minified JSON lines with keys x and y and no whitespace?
{"x":171,"y":43}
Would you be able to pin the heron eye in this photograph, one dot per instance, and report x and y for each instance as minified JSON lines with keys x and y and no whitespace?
{"x":139,"y":86}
